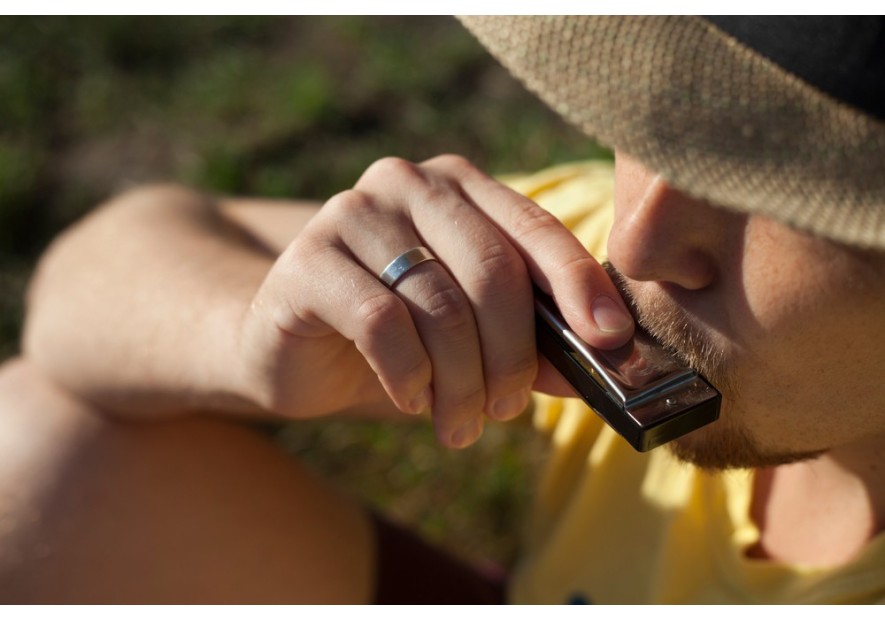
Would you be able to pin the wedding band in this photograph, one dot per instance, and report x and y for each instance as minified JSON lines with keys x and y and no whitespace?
{"x":401,"y":265}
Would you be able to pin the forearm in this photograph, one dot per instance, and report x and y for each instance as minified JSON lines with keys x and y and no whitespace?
{"x":136,"y":308}
{"x":161,"y":303}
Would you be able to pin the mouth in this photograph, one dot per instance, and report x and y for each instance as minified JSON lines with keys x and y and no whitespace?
{"x":643,"y":324}
{"x":675,"y":329}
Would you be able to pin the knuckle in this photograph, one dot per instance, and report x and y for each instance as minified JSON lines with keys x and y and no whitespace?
{"x":349,"y":203}
{"x":380,"y":340}
{"x":377,"y":314}
{"x":410,"y":378}
{"x":300,"y":249}
{"x":498,"y":268}
{"x":304,"y":256}
{"x":449,"y":309}
{"x":443,"y":196}
{"x":467,"y":402}
{"x":398,"y":375}
{"x":416,"y":373}
{"x":528,"y":218}
{"x":453,"y":162}
{"x":388,"y":167}
{"x":579,"y":268}
{"x":520,"y":371}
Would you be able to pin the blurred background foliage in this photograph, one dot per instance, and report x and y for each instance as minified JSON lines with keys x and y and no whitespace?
{"x":280,"y":107}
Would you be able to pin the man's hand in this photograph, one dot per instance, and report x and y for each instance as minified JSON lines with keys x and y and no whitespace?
{"x":454,"y":335}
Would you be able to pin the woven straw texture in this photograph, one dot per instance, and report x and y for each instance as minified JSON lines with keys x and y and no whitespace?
{"x":713,"y":117}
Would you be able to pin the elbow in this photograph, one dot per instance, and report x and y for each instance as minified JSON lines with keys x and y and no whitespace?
{"x":91,"y":260}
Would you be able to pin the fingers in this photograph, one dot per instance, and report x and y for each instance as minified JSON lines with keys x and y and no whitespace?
{"x":471,"y":310}
{"x":336,"y":295}
{"x":556,"y":260}
{"x":455,"y":334}
{"x":487,"y":270}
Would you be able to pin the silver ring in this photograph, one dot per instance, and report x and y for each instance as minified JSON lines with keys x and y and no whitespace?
{"x":401,"y":265}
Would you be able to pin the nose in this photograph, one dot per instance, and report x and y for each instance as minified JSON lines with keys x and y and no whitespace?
{"x":659,"y":233}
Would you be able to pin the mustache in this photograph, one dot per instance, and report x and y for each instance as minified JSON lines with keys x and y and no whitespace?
{"x":676,"y":330}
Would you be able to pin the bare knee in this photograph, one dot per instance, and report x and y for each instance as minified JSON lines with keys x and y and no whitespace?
{"x":192,"y":510}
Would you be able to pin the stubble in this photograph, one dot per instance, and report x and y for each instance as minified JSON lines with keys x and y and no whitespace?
{"x":726,"y":443}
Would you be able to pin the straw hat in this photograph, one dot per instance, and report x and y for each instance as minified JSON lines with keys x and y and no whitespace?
{"x":779,"y":116}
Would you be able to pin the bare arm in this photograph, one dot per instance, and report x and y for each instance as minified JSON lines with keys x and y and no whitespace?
{"x":137,"y":307}
{"x":165,"y":301}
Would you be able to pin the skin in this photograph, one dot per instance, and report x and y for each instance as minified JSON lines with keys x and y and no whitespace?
{"x":788,"y":324}
{"x":790,"y":327}
{"x":183,"y":510}
{"x":269,"y":310}
{"x":456,"y":336}
{"x":193,"y":309}
{"x":306,"y":329}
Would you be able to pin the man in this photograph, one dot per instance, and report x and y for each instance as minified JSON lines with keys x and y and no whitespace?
{"x":749,"y":229}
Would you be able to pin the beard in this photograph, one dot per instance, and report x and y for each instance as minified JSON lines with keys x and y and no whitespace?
{"x":727,"y":443}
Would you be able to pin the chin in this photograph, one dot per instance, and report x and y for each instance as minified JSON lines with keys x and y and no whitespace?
{"x":725,"y":444}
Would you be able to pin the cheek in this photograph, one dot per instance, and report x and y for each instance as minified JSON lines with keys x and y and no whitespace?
{"x":804,"y":292}
{"x":783,"y":287}
{"x":805,"y":327}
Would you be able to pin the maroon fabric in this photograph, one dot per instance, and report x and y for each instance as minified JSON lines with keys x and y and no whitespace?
{"x":410,"y":571}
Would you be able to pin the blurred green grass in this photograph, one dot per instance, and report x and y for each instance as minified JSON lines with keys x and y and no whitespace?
{"x":293,"y":107}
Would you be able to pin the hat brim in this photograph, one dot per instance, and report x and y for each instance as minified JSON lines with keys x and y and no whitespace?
{"x":712,"y":116}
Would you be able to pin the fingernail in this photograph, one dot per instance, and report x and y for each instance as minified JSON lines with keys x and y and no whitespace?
{"x":610,"y":317}
{"x":421,"y":403}
{"x":510,"y":406}
{"x":467,"y":434}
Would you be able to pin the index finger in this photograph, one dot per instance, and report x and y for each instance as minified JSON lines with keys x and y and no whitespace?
{"x":557,"y":262}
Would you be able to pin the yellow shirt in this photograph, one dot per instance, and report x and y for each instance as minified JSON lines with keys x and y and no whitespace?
{"x":611,"y":525}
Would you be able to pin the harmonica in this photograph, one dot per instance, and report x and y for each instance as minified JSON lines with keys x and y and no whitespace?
{"x":640,"y":390}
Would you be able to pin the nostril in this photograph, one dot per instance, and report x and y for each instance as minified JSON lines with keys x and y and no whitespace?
{"x":697,"y":271}
{"x":647,"y":260}
{"x":661,"y":234}
{"x":631,"y":255}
